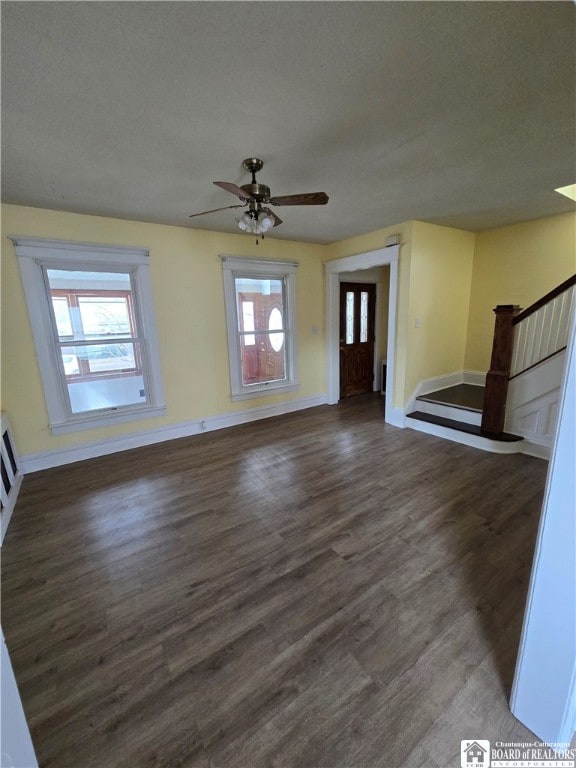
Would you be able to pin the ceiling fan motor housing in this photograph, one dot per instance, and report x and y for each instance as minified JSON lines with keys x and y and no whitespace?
{"x":259,"y":192}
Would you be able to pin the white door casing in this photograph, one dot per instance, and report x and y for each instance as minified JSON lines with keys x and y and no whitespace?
{"x":369,"y":260}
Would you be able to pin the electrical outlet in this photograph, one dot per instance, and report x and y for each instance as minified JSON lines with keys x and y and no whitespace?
{"x":203,"y":426}
{"x":418,"y":322}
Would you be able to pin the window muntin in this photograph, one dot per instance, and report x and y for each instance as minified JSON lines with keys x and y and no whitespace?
{"x":261,"y":332}
{"x":92,"y":319}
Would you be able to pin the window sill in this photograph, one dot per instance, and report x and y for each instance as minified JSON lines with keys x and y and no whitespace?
{"x":264,"y":392}
{"x":105,"y":418}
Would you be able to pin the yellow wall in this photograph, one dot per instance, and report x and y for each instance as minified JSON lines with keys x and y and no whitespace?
{"x":449,"y":278}
{"x":440,"y":280}
{"x":189,"y":303}
{"x":434,"y":276}
{"x":516,"y":265}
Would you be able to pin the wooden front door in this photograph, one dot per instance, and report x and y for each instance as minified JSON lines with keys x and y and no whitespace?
{"x":357,"y":311}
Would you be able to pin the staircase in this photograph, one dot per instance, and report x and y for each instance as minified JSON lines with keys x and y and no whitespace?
{"x":455,"y":413}
{"x":522,"y":385}
{"x":11,"y":474}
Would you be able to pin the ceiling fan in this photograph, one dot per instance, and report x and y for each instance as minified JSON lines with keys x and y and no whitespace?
{"x":258,"y":219}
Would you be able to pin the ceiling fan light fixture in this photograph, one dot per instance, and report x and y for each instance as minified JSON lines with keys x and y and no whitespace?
{"x":255,"y":222}
{"x":245,"y":222}
{"x":265,"y":222}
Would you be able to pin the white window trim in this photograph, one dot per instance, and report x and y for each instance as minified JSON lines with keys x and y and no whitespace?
{"x":36,"y":253}
{"x":233,"y":267}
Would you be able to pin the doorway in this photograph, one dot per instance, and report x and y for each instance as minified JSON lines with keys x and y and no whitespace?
{"x":357,"y":338}
{"x":393,"y":414}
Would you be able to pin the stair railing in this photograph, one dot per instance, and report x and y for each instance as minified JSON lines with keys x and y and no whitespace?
{"x":11,"y":474}
{"x":522,"y":340}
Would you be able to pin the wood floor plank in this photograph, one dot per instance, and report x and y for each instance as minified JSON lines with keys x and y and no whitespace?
{"x":317,"y":590}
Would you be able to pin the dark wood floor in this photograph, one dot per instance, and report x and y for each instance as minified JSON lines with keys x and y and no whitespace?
{"x":318,"y":590}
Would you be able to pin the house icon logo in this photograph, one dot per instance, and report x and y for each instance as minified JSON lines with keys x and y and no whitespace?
{"x":475,"y":754}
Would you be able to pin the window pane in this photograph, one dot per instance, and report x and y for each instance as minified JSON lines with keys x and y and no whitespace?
{"x":103,"y":376}
{"x":349,"y":317}
{"x":363,"y":316}
{"x":90,"y":395}
{"x":275,"y":323}
{"x":62,"y":315}
{"x":90,"y":305}
{"x":103,"y":358}
{"x":248,"y":322}
{"x":70,"y":360}
{"x":260,"y":361}
{"x":263,"y":294}
{"x":104,"y":315}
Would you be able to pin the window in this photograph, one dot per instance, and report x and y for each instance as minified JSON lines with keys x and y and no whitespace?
{"x":260,"y":310}
{"x":93,"y":324}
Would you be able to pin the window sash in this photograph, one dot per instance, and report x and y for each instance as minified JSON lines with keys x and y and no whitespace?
{"x":255,"y":269}
{"x":80,"y":338}
{"x":35,"y":255}
{"x":73,"y":296}
{"x":86,"y":375}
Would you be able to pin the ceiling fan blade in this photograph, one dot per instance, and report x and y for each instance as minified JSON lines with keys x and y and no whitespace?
{"x":234,"y":188}
{"x":203,"y":213}
{"x":277,"y":219}
{"x":306,"y":198}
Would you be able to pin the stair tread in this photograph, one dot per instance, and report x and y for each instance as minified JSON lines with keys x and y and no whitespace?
{"x":468,"y":397}
{"x":460,"y":426}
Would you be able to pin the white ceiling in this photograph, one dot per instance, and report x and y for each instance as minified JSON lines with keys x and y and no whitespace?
{"x":458,"y":113}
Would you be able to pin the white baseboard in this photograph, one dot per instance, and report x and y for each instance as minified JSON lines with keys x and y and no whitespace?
{"x":535,"y":449}
{"x":432,"y":385}
{"x":34,"y":462}
{"x":477,"y":378}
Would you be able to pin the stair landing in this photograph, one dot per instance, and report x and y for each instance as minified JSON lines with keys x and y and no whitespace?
{"x":465,"y":396}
